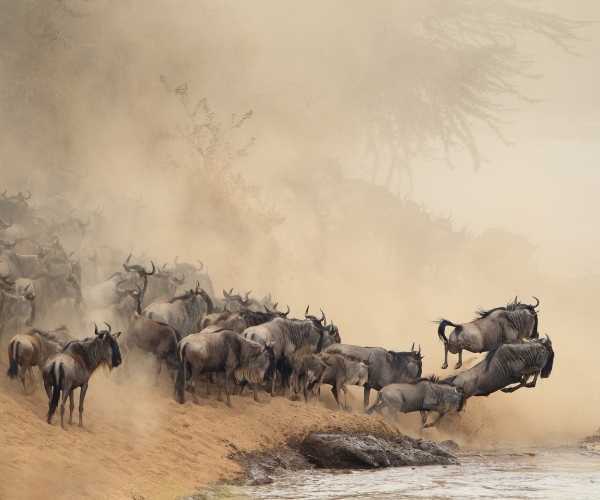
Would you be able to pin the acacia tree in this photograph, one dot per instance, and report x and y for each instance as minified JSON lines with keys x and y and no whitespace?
{"x":455,"y":67}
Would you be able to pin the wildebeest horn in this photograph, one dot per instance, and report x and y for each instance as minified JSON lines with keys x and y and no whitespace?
{"x":96,"y":329}
{"x":126,"y":263}
{"x":412,"y":347}
{"x":323,"y":319}
{"x":153,"y":270}
{"x":275,"y":306}
{"x":306,"y":312}
{"x":288,"y":311}
{"x":266,"y":308}
{"x":537,"y":301}
{"x":109,"y":327}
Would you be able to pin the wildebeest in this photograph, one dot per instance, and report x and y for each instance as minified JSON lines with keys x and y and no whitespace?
{"x":385,"y":367}
{"x":501,"y":325}
{"x":244,"y":318}
{"x":224,"y":352}
{"x":155,"y":337}
{"x":423,"y":396}
{"x":33,"y":348}
{"x":286,"y":336}
{"x":183,"y":312}
{"x":16,"y":310}
{"x":505,"y":365}
{"x":341,"y":371}
{"x":307,"y":372}
{"x":73,"y":366}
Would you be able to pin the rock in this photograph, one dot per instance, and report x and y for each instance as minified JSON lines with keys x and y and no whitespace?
{"x":261,"y":466}
{"x":359,"y":451}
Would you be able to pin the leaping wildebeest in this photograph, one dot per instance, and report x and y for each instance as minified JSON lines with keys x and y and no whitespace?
{"x":73,"y":366}
{"x":507,"y":364}
{"x":501,"y":325}
{"x":423,"y":396}
{"x":385,"y":367}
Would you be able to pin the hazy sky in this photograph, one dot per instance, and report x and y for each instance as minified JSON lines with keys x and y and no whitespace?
{"x":547,"y":185}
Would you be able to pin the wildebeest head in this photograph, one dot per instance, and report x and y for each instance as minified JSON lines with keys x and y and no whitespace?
{"x":275,"y":312}
{"x":137,"y":268}
{"x":318,"y":322}
{"x":547,"y":369}
{"x":410,"y":361}
{"x":108,"y":352}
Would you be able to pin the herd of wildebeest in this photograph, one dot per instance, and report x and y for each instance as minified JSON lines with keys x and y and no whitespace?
{"x":233,"y":342}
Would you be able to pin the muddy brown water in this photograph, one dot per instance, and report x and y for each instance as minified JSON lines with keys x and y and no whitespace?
{"x":548,"y":473}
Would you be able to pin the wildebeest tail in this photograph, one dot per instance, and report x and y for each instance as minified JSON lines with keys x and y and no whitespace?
{"x":443,"y":323}
{"x":181,"y":375}
{"x":377,"y":406}
{"x":13,"y":359}
{"x":57,"y":377}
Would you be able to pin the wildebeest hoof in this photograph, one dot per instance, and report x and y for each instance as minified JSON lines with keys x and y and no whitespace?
{"x":444,"y":366}
{"x":457,"y":366}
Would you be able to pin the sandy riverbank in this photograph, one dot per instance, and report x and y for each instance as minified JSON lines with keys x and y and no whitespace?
{"x":138,"y":443}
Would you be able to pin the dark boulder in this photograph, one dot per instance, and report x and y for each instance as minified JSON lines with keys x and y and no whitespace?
{"x":360,"y":451}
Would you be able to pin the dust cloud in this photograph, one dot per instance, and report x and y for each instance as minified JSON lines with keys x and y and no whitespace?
{"x":282,"y":144}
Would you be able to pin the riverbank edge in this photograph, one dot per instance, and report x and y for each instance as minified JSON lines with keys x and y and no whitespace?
{"x":263,"y":466}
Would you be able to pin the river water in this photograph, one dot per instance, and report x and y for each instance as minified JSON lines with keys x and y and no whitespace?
{"x":556,"y":473}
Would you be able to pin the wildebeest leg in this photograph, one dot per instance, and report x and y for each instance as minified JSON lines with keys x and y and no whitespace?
{"x":82,"y":392}
{"x":159,"y":369}
{"x":366,"y":394}
{"x":22,"y":374}
{"x":514,"y":387}
{"x":66,"y":392}
{"x":194,"y":379}
{"x":48,"y":389}
{"x":71,"y":406}
{"x":459,"y":364}
{"x":335,"y":394}
{"x":254,"y":391}
{"x":31,"y":380}
{"x":228,"y":375}
{"x":423,"y":418}
{"x":533,"y":382}
{"x":343,"y":388}
{"x":445,"y":365}
{"x":433,"y":423}
{"x":273,"y":378}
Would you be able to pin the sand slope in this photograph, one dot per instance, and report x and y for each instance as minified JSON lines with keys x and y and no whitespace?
{"x":137,"y":442}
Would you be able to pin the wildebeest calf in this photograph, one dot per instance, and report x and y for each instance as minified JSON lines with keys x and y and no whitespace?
{"x":423,"y":396}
